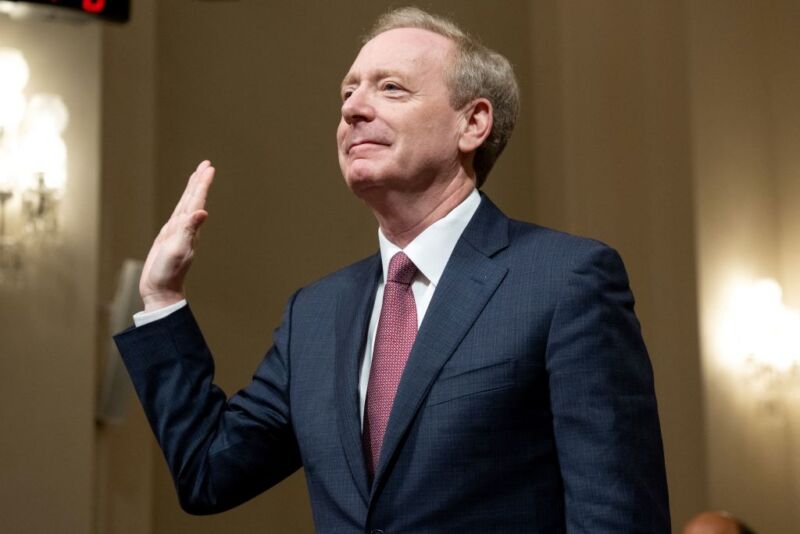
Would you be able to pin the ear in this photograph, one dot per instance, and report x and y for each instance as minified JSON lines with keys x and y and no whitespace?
{"x":478,"y":118}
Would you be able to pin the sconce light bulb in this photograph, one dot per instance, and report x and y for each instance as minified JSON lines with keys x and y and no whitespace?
{"x":12,"y":110}
{"x":762,"y":327}
{"x":767,"y":292}
{"x":14,"y":71}
{"x":45,"y":153}
{"x":46,"y":112}
{"x":14,"y":74}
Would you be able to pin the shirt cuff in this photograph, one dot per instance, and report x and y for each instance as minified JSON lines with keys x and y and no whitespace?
{"x":143,"y":317}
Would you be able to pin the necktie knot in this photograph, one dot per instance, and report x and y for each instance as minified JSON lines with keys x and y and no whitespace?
{"x":401,"y":269}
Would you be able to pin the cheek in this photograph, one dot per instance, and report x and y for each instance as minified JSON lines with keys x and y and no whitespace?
{"x":438,"y":141}
{"x":341,"y":131}
{"x":444,"y":130}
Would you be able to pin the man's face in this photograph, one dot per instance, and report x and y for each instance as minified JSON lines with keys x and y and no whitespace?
{"x":398,"y":129}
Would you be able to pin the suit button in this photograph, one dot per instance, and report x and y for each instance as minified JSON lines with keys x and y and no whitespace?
{"x":376,"y":531}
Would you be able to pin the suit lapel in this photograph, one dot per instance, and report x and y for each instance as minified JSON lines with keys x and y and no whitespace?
{"x":353,"y":311}
{"x":468,"y":281}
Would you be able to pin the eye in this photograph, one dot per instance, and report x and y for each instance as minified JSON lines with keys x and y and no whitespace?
{"x":391,"y":86}
{"x":347,"y":93}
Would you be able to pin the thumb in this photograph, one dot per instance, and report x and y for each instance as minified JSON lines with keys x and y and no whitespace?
{"x":196,"y":219}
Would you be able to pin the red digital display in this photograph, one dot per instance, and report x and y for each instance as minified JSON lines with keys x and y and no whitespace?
{"x":94,"y":6}
{"x":116,"y":10}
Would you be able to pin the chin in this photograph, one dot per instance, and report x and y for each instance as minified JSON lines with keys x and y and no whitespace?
{"x":361,"y":185}
{"x":360,"y":177}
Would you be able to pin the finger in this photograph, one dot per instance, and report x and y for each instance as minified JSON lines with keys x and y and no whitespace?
{"x":182,"y":200}
{"x":198,"y":191}
{"x":197,"y":199}
{"x":181,"y":206}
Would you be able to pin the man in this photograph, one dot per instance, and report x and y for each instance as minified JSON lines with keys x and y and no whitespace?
{"x":478,"y":375}
{"x":716,"y":522}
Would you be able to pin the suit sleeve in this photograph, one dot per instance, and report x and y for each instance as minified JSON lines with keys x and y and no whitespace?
{"x":221,"y":452}
{"x":603,"y":403}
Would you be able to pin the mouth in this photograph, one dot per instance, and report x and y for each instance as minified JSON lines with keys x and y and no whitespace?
{"x":365,"y":143}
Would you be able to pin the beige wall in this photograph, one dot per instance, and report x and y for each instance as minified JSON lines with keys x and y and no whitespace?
{"x":784,"y":72}
{"x":125,"y":452}
{"x":745,"y":81}
{"x":48,"y":323}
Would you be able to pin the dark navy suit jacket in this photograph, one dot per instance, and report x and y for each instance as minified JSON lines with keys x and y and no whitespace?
{"x":526,"y":405}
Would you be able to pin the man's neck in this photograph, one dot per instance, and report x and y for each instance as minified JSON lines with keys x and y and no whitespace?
{"x":402,"y":216}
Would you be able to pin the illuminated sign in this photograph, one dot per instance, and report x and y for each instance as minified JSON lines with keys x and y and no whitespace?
{"x":116,"y":10}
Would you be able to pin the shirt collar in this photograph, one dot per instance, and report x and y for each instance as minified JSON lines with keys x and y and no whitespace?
{"x":431,"y":249}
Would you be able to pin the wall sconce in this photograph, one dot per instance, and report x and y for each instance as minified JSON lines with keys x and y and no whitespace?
{"x":33,"y":163}
{"x":762,"y":336}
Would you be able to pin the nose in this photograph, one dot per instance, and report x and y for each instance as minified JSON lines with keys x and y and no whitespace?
{"x":358,"y":107}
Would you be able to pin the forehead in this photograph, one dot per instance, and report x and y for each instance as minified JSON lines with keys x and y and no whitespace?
{"x":404,"y":50}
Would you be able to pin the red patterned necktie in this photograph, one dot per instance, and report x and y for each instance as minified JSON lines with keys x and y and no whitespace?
{"x":397,"y":329}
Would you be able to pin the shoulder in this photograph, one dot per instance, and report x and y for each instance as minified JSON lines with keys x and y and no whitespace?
{"x":556,"y":267}
{"x":541,"y":246}
{"x":352,"y":277}
{"x":523,"y":243}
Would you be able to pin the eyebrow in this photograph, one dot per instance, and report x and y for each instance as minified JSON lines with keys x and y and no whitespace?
{"x":379,"y":74}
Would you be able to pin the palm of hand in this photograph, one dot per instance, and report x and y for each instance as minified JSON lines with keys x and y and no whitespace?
{"x":171,"y":255}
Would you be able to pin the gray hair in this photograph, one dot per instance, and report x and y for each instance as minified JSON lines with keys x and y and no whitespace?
{"x":476,"y":72}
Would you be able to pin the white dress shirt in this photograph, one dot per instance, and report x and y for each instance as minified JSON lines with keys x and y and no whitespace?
{"x":429,"y":251}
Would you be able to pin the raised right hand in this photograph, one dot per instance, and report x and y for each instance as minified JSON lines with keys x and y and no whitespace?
{"x":171,"y":255}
